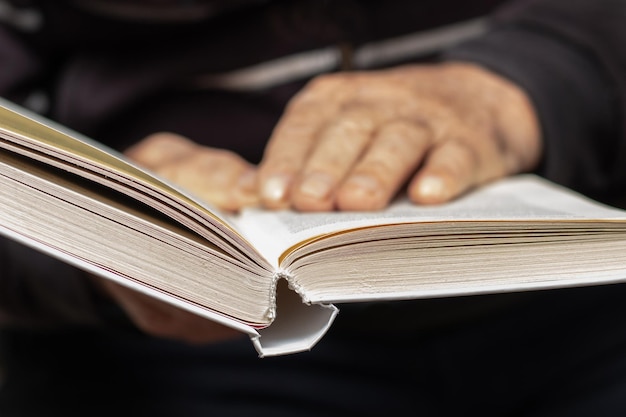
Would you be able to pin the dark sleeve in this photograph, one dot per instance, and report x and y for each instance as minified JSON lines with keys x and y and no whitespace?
{"x":34,"y":288}
{"x":38,"y":290}
{"x":569,"y":56}
{"x":20,"y":66}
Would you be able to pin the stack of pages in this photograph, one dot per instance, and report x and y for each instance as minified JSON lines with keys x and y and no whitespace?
{"x":277,"y":275}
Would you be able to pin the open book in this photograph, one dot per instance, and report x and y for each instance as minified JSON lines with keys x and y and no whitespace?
{"x":278,"y":275}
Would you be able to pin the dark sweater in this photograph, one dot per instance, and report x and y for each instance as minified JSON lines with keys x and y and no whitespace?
{"x":118,"y":73}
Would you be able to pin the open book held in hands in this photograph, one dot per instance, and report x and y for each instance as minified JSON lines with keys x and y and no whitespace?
{"x":277,"y":275}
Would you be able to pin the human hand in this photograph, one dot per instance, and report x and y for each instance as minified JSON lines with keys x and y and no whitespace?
{"x":160,"y":319}
{"x":218,"y":176}
{"x":350,"y":141}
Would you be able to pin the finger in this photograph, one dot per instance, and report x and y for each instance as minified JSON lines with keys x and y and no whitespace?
{"x":244,"y":192}
{"x":159,"y":149}
{"x":230,"y":188}
{"x":396,"y":150}
{"x":451,"y":169}
{"x":339,"y":146}
{"x":293,"y":137}
{"x":219,"y":177}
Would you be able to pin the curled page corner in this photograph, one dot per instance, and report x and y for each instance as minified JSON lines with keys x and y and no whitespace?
{"x":297,"y":327}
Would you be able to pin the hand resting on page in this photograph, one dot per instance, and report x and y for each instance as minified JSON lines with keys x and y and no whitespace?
{"x":350,"y":141}
{"x":220,"y":177}
{"x":217,"y":176}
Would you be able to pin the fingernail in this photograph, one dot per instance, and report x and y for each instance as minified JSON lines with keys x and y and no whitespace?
{"x":364,"y":185}
{"x":430,"y":187}
{"x":275,"y":188}
{"x":317,"y":185}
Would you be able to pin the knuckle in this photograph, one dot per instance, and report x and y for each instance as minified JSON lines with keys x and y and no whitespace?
{"x":384,"y":170}
{"x":401,"y":135}
{"x":300,"y":124}
{"x":402,"y":143}
{"x":321,"y":87}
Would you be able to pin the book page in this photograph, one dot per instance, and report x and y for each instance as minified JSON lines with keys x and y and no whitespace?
{"x":43,"y":140}
{"x":518,"y":198}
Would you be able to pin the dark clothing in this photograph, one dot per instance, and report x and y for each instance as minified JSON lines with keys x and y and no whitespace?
{"x":119,"y":70}
{"x":553,"y":354}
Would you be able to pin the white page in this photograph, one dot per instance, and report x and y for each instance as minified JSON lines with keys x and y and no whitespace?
{"x":518,"y":198}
